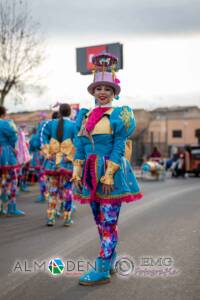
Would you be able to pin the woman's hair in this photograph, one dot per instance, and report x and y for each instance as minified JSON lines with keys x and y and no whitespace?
{"x":113,"y":89}
{"x":55,"y":115}
{"x":64,"y":111}
{"x":2,"y":111}
{"x":34,"y":130}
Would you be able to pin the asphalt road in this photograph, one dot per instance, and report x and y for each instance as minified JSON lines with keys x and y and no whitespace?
{"x":160,"y":234}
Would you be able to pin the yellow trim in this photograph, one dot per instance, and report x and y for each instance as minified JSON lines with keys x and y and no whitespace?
{"x":78,"y":162}
{"x":102,"y":127}
{"x":45,"y":151}
{"x":59,"y":149}
{"x":107,"y":180}
{"x":77,"y":170}
{"x":67,"y":215}
{"x":51,"y":213}
{"x":126,"y":117}
{"x":110,"y":171}
{"x":128,"y":150}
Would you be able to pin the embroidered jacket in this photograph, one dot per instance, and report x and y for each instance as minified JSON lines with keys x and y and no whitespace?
{"x":100,"y":157}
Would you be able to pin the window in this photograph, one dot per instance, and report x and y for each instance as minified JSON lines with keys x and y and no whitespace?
{"x":177,"y":133}
{"x":197,"y":133}
{"x":151,"y":136}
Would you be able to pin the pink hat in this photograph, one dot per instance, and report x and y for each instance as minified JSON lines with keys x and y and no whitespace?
{"x":104,"y":72}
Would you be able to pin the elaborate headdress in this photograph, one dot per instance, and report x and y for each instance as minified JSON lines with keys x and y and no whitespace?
{"x":105,"y":72}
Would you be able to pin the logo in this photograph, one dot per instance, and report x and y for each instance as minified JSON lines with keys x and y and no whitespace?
{"x":124,"y":266}
{"x":56,"y":266}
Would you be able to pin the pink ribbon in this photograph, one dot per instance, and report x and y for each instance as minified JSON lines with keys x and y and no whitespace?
{"x":94,"y":117}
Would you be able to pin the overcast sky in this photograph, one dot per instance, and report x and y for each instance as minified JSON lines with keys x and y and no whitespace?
{"x":161,"y":49}
{"x":117,"y":16}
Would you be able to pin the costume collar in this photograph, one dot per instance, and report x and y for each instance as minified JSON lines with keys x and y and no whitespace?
{"x":106,"y":105}
{"x":96,"y":114}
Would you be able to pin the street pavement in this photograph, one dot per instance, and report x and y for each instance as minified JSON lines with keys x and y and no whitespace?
{"x":160,"y":234}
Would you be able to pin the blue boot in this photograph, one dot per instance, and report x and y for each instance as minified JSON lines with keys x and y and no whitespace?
{"x":67,"y":218}
{"x":113,"y":263}
{"x":40,"y":199}
{"x":4,"y":197}
{"x":99,"y":275}
{"x":51,"y":222}
{"x":13,"y":211}
{"x":2,"y":211}
{"x":58,"y":214}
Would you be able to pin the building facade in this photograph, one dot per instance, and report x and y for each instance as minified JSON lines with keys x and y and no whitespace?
{"x":165,"y":128}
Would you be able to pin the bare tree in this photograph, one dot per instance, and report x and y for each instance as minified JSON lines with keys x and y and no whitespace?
{"x":21,"y":48}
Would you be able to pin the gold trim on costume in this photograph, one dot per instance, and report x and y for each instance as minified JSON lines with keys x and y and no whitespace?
{"x":67,"y":215}
{"x":66,"y":147}
{"x":45,"y":150}
{"x":78,"y":162}
{"x":102,"y":127}
{"x":125,"y":116}
{"x":77,"y":170}
{"x":110,"y":171}
{"x":128,"y":150}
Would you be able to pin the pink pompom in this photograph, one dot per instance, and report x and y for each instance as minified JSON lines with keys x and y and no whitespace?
{"x":117,"y":81}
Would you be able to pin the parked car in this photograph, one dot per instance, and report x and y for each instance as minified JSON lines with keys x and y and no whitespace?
{"x":194,"y":160}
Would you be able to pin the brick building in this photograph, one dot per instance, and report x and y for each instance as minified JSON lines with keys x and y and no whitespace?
{"x":165,"y":128}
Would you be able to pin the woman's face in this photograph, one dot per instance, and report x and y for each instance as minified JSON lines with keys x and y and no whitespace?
{"x":103,"y":94}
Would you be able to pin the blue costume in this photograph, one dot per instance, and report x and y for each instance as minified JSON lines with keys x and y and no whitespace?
{"x":58,"y":167}
{"x":37,"y":161}
{"x":8,"y":166}
{"x":100,"y":158}
{"x":34,"y":148}
{"x":103,"y":176}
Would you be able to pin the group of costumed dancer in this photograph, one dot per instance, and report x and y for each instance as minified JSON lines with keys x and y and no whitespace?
{"x":83,"y":161}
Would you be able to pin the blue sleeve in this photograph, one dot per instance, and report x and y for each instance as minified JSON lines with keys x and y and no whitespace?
{"x":34,"y":143}
{"x":73,"y":135}
{"x":11,"y":132}
{"x":80,"y":118}
{"x":123,"y":124}
{"x":80,"y":151}
{"x":78,"y":140}
{"x":44,"y":132}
